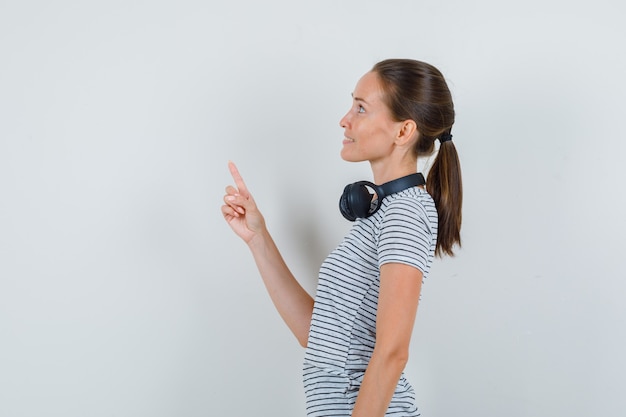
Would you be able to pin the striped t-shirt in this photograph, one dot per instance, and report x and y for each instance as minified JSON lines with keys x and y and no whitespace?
{"x":343,"y":327}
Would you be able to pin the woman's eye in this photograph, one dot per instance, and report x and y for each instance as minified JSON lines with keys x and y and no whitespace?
{"x":360,"y":109}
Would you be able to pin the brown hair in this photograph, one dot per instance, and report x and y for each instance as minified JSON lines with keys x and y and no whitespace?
{"x":417,"y":91}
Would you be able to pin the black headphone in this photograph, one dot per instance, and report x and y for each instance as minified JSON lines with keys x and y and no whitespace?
{"x":357,"y":198}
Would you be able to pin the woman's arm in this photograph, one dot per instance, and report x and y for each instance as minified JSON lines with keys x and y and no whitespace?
{"x":400,"y":287}
{"x":293,"y":303}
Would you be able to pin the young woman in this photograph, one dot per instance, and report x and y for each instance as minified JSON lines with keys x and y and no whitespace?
{"x":357,"y":330}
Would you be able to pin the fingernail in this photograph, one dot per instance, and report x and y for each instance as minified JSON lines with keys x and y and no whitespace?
{"x":230,"y":198}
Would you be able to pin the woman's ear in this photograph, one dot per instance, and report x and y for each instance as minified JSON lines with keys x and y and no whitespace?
{"x":407,"y":132}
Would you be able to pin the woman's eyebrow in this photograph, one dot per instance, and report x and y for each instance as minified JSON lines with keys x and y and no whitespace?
{"x":359,"y":99}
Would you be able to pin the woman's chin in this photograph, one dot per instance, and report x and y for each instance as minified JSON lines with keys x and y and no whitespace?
{"x":346,"y":156}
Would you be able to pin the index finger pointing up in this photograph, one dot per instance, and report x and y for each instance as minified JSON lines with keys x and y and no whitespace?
{"x":241,"y":186}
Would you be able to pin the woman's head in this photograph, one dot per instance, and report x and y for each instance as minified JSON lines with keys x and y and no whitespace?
{"x":417,"y":91}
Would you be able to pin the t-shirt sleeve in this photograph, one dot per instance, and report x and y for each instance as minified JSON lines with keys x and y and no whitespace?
{"x":405,"y":235}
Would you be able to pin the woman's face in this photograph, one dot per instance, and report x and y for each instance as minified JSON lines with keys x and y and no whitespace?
{"x":369,"y":130}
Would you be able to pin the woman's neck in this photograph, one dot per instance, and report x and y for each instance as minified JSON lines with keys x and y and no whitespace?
{"x":387,"y":171}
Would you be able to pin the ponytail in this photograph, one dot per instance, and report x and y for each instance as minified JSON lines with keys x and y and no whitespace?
{"x":445,"y":186}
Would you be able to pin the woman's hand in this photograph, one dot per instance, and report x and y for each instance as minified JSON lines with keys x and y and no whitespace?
{"x":240,"y":210}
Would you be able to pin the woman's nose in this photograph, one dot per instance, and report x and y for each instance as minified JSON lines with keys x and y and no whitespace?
{"x":344,"y":120}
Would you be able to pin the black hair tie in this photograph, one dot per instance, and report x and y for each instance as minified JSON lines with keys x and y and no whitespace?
{"x":445,"y":137}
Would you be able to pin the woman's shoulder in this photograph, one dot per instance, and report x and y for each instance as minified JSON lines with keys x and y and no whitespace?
{"x":415,"y":198}
{"x":410,"y":206}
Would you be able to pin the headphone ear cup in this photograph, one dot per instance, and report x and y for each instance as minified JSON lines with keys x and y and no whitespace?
{"x":355,"y":201}
{"x":344,"y":205}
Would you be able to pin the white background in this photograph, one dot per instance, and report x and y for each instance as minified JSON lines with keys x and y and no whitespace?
{"x":124,"y":293}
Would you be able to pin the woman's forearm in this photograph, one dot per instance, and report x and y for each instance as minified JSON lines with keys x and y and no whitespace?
{"x":379,"y":384}
{"x":291,"y":300}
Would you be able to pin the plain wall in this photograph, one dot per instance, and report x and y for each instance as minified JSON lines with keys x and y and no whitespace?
{"x":124,"y":293}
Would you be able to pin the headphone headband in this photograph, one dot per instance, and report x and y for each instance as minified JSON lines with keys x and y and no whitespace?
{"x":357,"y":200}
{"x":400,"y":184}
